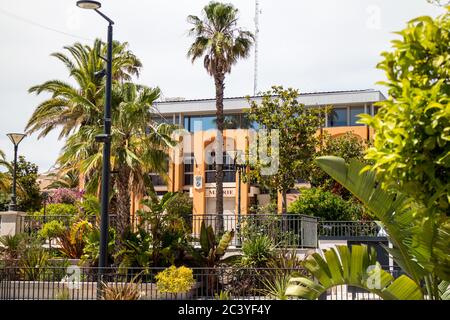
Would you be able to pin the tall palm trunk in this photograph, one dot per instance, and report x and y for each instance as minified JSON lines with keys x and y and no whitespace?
{"x":219,"y":82}
{"x":123,"y":200}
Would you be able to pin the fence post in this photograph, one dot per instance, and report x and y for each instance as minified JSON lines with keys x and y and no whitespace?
{"x":11,"y":222}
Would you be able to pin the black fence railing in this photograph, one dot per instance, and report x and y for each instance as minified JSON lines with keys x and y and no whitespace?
{"x":33,"y":223}
{"x":348,"y":230}
{"x":289,"y":230}
{"x":80,"y":283}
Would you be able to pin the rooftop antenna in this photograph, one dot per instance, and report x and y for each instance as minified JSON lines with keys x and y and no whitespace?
{"x":255,"y":80}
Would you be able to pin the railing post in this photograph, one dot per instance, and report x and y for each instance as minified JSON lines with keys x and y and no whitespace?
{"x":11,"y":222}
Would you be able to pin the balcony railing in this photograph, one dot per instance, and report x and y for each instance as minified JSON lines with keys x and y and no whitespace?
{"x":290,"y":230}
{"x":348,"y":230}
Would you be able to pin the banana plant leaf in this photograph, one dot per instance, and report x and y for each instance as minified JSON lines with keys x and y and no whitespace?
{"x":355,"y":266}
{"x":394,"y":210}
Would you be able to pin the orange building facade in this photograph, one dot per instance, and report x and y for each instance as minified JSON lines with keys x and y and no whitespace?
{"x":191,"y":166}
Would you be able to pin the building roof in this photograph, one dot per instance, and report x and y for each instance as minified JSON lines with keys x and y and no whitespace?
{"x":346,"y":97}
{"x":178,"y":99}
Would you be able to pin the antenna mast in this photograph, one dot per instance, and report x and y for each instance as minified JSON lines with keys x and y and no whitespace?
{"x":255,"y":80}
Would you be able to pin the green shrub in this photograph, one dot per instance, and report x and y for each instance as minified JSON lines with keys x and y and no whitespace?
{"x":34,"y":261}
{"x":180,"y":205}
{"x":11,"y":246}
{"x":52,"y":230}
{"x":257,"y":251}
{"x":325,"y":205}
{"x":175,"y":280}
{"x":57,"y":209}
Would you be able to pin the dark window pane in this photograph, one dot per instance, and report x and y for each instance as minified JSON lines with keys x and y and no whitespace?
{"x":186,"y":123}
{"x":337,"y":117}
{"x":375,"y":110}
{"x":210,"y":176}
{"x":354,"y":112}
{"x":231,"y":121}
{"x":157,"y":180}
{"x":188,"y":179}
{"x":229,"y":176}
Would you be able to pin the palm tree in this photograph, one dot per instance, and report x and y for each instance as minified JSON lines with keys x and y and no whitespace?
{"x":222,"y":43}
{"x":71,"y":107}
{"x":64,"y":179}
{"x":5,"y":178}
{"x":138,"y":147}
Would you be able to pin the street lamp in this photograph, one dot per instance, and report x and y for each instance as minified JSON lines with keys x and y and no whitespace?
{"x":15,"y":138}
{"x":104,"y":138}
{"x":240,"y":166}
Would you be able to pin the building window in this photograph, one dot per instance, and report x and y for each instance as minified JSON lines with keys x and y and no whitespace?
{"x":188,"y":169}
{"x":229,"y":170}
{"x":157,"y":180}
{"x":337,"y":117}
{"x":231,"y":121}
{"x":354,"y":112}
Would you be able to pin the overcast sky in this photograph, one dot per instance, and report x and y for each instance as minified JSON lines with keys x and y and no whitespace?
{"x":307,"y":44}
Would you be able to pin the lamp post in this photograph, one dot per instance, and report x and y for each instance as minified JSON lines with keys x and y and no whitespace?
{"x":15,"y":138}
{"x":104,"y":138}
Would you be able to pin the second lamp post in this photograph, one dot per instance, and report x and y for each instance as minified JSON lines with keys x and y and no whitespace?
{"x":15,"y":138}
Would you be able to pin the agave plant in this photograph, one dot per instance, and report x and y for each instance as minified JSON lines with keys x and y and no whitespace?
{"x":420,"y":242}
{"x":355,"y":266}
{"x":125,"y":291}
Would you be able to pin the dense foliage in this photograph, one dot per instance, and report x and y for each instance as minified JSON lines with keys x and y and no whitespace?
{"x":29,"y":196}
{"x":326,"y":205}
{"x":347,"y":146}
{"x":411,"y":149}
{"x":278,"y":162}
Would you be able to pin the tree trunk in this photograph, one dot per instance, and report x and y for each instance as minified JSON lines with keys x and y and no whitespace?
{"x":219,"y":82}
{"x":284,"y":202}
{"x":123,"y":201}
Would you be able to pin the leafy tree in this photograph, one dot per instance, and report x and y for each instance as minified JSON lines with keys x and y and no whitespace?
{"x":297,"y":125}
{"x":326,"y":205}
{"x":138,"y":147}
{"x":181,"y":205}
{"x":347,"y":146}
{"x":441,"y":3}
{"x":71,"y":107}
{"x":5,"y":178}
{"x":167,"y":232}
{"x":29,"y":196}
{"x":411,"y":149}
{"x":222,"y":43}
{"x":67,"y":180}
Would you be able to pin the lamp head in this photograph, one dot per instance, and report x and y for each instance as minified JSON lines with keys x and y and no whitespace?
{"x":16,"y":138}
{"x":87,"y":4}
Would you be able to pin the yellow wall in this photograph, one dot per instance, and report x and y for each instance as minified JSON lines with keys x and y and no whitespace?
{"x":234,"y":140}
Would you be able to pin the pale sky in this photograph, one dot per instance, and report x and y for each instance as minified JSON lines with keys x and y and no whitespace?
{"x":306,"y":44}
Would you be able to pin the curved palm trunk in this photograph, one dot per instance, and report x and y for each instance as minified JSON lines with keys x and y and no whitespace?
{"x":123,"y":200}
{"x":219,"y":82}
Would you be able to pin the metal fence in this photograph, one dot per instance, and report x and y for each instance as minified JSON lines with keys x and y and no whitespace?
{"x":288,"y":230}
{"x":348,"y":230}
{"x":33,"y":223}
{"x":77,"y":283}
